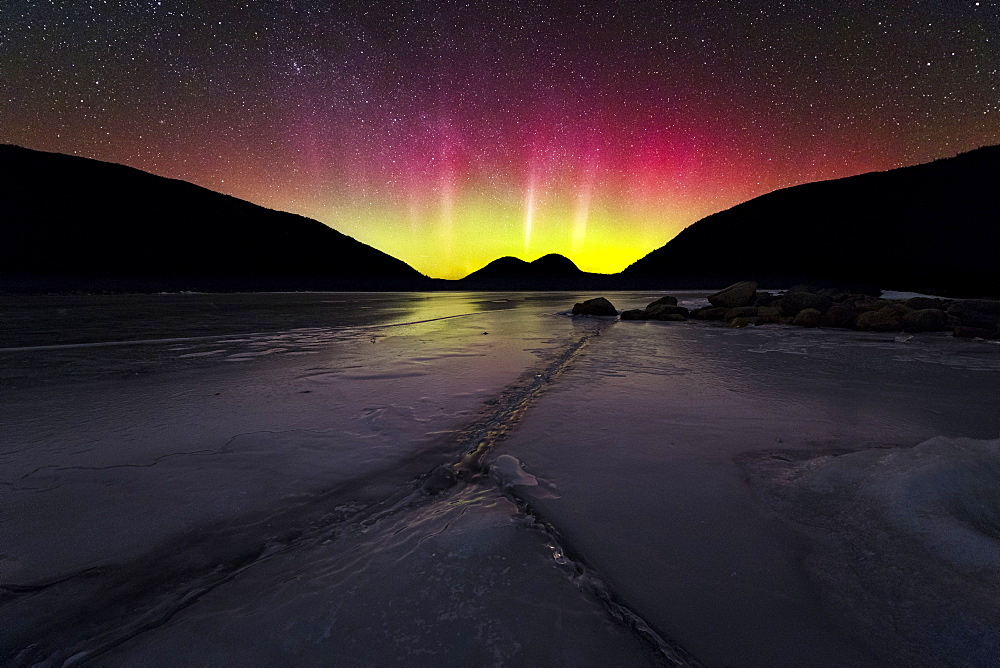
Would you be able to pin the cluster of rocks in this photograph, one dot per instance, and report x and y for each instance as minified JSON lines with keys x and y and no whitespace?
{"x":742,"y":305}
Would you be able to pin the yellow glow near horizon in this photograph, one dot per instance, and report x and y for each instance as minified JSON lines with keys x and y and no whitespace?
{"x":456,"y":235}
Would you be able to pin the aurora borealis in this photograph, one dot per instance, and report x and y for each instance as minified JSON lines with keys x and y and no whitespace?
{"x":449,"y":134}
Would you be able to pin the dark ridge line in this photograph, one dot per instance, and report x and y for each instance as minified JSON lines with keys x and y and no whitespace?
{"x":476,"y":440}
{"x":157,"y":460}
{"x":13,"y":588}
{"x":668,"y":651}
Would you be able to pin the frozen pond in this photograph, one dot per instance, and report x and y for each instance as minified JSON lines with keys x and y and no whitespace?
{"x":478,"y":478}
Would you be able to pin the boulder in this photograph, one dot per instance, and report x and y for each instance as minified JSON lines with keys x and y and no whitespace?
{"x":976,"y":306}
{"x":807,"y":317}
{"x":840,"y":315}
{"x":769,"y":312}
{"x":666,"y":312}
{"x":709,"y":313}
{"x":984,"y":313}
{"x":769,"y":315}
{"x":854,"y":298}
{"x":635,"y":314}
{"x":743,"y":322}
{"x":925,"y":320}
{"x":598,"y":306}
{"x":663,"y":301}
{"x":737,"y":294}
{"x":793,"y":302}
{"x":886,"y":319}
{"x":867,"y":304}
{"x":764,"y":299}
{"x":921,"y":303}
{"x":741,"y":312}
{"x":898,"y":308}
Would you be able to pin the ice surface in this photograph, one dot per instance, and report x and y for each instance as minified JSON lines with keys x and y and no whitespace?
{"x":462,"y":582}
{"x":139,"y":474}
{"x":640,"y":441}
{"x":475,"y":479}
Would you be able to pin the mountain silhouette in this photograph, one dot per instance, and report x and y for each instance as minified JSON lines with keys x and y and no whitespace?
{"x":549,"y":272}
{"x":71,"y":223}
{"x":932,"y":228}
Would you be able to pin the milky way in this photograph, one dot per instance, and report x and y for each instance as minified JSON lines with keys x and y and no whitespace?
{"x":449,"y":134}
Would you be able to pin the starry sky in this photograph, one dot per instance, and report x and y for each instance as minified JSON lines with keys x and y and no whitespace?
{"x":452,"y":133}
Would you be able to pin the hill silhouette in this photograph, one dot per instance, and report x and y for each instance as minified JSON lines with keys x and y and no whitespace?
{"x":75,"y":224}
{"x":71,"y":223}
{"x":549,"y":272}
{"x":932,"y":228}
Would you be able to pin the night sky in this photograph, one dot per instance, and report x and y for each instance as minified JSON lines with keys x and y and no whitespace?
{"x":449,"y":134}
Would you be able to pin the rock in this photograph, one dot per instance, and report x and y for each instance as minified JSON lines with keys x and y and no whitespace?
{"x":741,"y":312}
{"x":921,"y":303}
{"x":737,"y":294}
{"x":663,"y":301}
{"x":925,"y":320}
{"x":764,"y":299}
{"x":807,"y":317}
{"x":984,"y":313}
{"x":666,"y":312}
{"x":840,"y":315}
{"x":854,"y":298}
{"x":976,"y":333}
{"x":886,"y":319}
{"x":598,"y":306}
{"x":866,"y":304}
{"x":976,"y":306}
{"x":769,"y":315}
{"x":709,"y":313}
{"x":440,"y":479}
{"x":769,"y":312}
{"x":743,"y":322}
{"x":898,"y":308}
{"x":635,"y":314}
{"x":793,"y":302}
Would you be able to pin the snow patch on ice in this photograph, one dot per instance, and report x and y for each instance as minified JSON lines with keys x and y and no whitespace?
{"x":508,"y":472}
{"x":900,"y":295}
{"x":944,"y":492}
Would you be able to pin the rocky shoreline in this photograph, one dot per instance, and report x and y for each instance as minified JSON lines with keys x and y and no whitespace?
{"x":742,"y":305}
